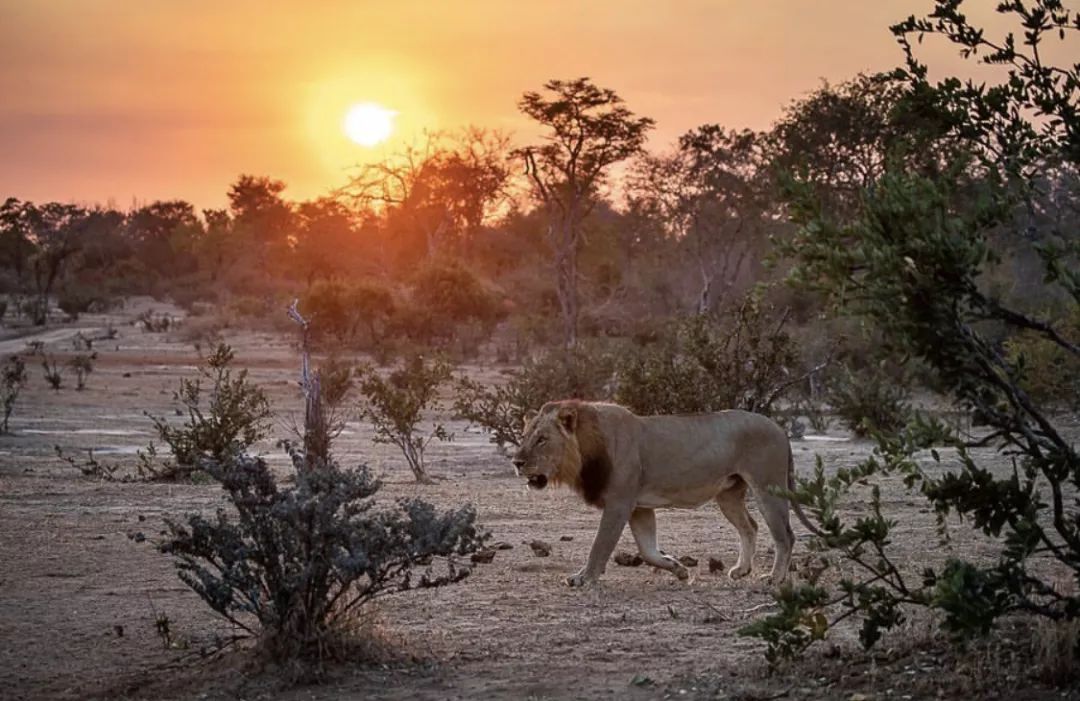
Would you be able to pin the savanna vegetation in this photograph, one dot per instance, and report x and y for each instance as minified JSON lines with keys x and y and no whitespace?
{"x":897,"y":257}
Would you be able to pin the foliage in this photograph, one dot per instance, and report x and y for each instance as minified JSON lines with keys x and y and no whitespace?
{"x":12,"y":380}
{"x":584,"y":372}
{"x":230,"y":420}
{"x":53,"y":374}
{"x":910,"y":263}
{"x":869,"y":402}
{"x":453,"y":291}
{"x":395,"y":406}
{"x":339,"y":311}
{"x":588,"y":130}
{"x":82,"y":365}
{"x":1048,"y":373}
{"x":740,"y":360}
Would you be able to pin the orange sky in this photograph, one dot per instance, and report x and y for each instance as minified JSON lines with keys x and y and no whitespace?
{"x":125,"y":100}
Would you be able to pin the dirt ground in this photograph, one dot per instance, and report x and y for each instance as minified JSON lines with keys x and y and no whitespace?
{"x":79,"y":598}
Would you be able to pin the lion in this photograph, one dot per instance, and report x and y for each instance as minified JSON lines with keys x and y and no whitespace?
{"x":629,"y":465}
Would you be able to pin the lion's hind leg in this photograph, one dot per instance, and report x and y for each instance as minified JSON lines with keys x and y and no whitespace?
{"x":732,"y":502}
{"x":643,"y":526}
{"x":774,"y":509}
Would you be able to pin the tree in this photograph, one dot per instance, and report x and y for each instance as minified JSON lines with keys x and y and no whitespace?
{"x":911,"y":262}
{"x":442,"y":189}
{"x":712,"y":196}
{"x":261,"y":215}
{"x":325,"y":236}
{"x":56,"y":230}
{"x":162,"y":234}
{"x":588,"y":129}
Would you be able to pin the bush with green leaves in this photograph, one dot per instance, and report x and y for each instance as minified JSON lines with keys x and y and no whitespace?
{"x":742,"y":359}
{"x":340,"y":311}
{"x":395,"y":407}
{"x":869,"y":402}
{"x":584,"y":372}
{"x":910,"y":263}
{"x":226,"y":413}
{"x":1048,"y":373}
{"x":12,"y":380}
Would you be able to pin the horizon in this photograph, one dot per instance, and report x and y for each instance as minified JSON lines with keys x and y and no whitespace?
{"x":263,"y":91}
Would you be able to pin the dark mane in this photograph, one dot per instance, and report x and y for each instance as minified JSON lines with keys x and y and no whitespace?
{"x":596,"y":468}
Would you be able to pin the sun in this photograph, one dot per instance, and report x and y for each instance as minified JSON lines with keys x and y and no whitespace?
{"x":368,"y":124}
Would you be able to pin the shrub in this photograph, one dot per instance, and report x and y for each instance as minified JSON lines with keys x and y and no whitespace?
{"x":869,"y":402}
{"x":82,"y":365}
{"x":12,"y":380}
{"x":453,"y":291}
{"x":234,"y":416}
{"x":1049,"y":373}
{"x":340,"y":311}
{"x":582,"y":373}
{"x":53,"y":376}
{"x":74,"y":301}
{"x":154,"y":323}
{"x":294,"y":566}
{"x":740,"y":360}
{"x":395,"y":405}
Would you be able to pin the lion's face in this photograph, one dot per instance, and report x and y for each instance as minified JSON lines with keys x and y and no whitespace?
{"x":548,"y":448}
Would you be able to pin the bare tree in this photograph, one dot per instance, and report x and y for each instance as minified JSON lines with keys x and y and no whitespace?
{"x":445,"y":187}
{"x":587,"y":131}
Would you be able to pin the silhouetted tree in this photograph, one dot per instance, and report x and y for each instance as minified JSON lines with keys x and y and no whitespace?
{"x":588,"y":129}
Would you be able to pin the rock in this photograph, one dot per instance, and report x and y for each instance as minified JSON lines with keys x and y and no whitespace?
{"x":501,"y":545}
{"x":483,"y":556}
{"x":688,"y":561}
{"x":716,"y":564}
{"x":628,"y":559}
{"x":566,"y":538}
{"x":540,"y":548}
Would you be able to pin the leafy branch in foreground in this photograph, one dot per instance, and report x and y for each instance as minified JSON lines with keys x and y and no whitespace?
{"x":911,"y":263}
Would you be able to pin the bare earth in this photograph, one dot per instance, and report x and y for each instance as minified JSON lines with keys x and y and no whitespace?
{"x":78,"y":597}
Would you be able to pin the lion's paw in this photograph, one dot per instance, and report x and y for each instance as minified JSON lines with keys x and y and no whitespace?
{"x":738,"y":572}
{"x":578,"y":580}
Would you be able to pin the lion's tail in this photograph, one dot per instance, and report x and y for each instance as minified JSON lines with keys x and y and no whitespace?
{"x":795,"y":506}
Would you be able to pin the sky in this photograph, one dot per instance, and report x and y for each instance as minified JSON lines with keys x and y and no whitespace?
{"x":127,"y":101}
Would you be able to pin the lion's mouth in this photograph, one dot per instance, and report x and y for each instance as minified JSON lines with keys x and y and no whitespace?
{"x":537,"y":481}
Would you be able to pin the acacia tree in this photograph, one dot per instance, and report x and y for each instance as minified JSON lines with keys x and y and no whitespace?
{"x":911,"y":262}
{"x":711,"y":195}
{"x":588,"y":129}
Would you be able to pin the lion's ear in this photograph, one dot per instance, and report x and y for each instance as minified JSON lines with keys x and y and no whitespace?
{"x":568,"y":418}
{"x":530,"y":415}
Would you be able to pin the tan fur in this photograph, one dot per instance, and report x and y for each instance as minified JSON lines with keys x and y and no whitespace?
{"x":630,"y":465}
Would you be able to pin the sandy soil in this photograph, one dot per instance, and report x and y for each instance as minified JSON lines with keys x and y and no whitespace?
{"x":79,"y":598}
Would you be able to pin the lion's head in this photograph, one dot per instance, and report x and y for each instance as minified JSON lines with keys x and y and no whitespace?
{"x":549,"y":449}
{"x":563,"y":443}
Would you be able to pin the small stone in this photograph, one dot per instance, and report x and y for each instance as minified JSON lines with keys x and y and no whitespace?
{"x":501,"y":545}
{"x":483,"y":556}
{"x":566,"y":538}
{"x":688,"y":561}
{"x":628,"y":559}
{"x":540,"y":548}
{"x":716,"y":564}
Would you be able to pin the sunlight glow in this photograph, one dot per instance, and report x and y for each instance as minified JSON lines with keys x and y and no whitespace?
{"x":369,"y":124}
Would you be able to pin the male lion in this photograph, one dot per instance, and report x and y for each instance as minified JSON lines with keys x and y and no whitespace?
{"x":629,"y":465}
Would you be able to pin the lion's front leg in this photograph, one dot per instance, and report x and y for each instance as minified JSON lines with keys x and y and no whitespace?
{"x":612,"y":523}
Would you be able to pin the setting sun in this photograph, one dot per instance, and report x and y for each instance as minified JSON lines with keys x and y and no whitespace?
{"x":369,"y":124}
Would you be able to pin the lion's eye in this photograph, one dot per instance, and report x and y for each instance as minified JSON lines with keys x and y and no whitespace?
{"x":541,"y":440}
